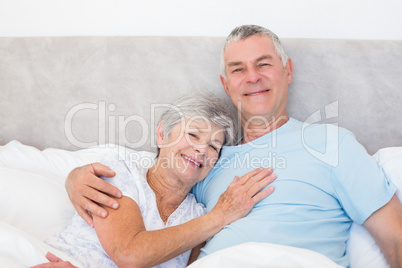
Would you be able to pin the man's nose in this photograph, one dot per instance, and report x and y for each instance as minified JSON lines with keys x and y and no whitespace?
{"x":253,"y":76}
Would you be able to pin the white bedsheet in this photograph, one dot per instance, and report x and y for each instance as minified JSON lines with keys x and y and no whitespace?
{"x":19,"y":250}
{"x":34,"y":205}
{"x":264,"y":255}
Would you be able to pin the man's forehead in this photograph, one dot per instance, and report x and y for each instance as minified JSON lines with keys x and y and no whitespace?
{"x":250,"y":39}
{"x":250,"y":51}
{"x":257,"y":59}
{"x":250,"y":44}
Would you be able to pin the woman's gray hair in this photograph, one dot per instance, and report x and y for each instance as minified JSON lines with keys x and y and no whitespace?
{"x":200,"y":106}
{"x":244,"y":31}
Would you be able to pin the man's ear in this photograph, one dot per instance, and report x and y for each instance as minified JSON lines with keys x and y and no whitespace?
{"x":223,"y":81}
{"x":289,"y":68}
{"x":160,"y":135}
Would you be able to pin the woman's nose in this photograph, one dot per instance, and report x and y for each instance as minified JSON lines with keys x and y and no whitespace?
{"x":200,"y":148}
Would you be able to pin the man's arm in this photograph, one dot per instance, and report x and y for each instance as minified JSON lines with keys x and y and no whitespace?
{"x":385,"y":225}
{"x":86,"y":191}
{"x":195,"y":252}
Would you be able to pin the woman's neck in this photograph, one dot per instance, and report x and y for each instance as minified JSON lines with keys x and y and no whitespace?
{"x":169,"y":191}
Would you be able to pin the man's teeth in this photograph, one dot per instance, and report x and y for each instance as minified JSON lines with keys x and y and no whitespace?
{"x":256,"y":93}
{"x":191,"y":160}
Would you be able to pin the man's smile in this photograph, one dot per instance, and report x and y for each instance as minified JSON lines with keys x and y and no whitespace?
{"x":255,"y":93}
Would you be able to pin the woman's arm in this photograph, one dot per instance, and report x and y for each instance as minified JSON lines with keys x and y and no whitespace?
{"x":125,"y":239}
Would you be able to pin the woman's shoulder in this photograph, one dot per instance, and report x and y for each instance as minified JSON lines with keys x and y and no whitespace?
{"x":139,"y":159}
{"x":196,"y":207}
{"x":123,"y":159}
{"x":130,"y":167}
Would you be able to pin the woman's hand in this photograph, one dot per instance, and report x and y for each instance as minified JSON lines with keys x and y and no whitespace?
{"x":55,"y":262}
{"x":243,"y":193}
{"x":128,"y":243}
{"x":86,"y":190}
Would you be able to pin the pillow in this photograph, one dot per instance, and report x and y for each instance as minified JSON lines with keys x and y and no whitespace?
{"x":390,"y":159}
{"x":363,"y":250}
{"x":32,"y":193}
{"x":51,"y":161}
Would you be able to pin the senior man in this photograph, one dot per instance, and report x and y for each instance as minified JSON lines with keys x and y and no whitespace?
{"x":316,"y":199}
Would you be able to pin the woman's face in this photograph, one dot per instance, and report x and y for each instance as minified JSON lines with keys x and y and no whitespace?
{"x":190,"y":150}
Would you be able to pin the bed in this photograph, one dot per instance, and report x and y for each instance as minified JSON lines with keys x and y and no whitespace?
{"x":66,"y":101}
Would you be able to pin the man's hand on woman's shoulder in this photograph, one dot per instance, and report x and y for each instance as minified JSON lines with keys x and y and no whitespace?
{"x":88,"y":193}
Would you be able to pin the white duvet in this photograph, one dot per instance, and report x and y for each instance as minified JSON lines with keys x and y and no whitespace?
{"x":23,"y":250}
{"x":34,"y":205}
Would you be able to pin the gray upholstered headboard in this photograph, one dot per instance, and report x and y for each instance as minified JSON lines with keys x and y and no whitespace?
{"x":73,"y":92}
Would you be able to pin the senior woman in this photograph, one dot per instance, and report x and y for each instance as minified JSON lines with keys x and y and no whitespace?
{"x":158,"y":221}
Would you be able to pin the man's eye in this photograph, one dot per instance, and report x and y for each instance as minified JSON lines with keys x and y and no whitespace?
{"x":237,"y":70}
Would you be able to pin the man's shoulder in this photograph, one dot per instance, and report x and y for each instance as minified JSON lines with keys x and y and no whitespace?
{"x":318,"y":127}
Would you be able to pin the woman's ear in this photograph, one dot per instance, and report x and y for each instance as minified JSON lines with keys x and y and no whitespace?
{"x":160,"y":135}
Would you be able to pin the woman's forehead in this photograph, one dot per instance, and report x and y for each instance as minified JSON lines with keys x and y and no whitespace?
{"x":200,"y":125}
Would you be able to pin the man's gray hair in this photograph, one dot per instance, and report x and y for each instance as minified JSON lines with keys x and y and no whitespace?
{"x":244,"y":31}
{"x":200,"y":106}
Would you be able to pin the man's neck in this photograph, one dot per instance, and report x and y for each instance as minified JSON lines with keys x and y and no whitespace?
{"x":253,"y":130}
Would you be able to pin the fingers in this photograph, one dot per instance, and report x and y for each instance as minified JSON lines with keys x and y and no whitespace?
{"x":262,"y":194}
{"x":86,"y":216}
{"x":252,"y":185}
{"x":93,"y":200}
{"x":52,"y":258}
{"x":83,"y":182}
{"x":98,"y":185}
{"x":259,"y":182}
{"x":89,"y":199}
{"x":253,"y":181}
{"x":243,"y":193}
{"x":89,"y":175}
{"x":55,"y":262}
{"x":256,"y":180}
{"x":88,"y":193}
{"x":256,"y":174}
{"x":102,"y":170}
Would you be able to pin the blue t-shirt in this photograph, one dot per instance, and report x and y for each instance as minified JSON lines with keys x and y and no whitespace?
{"x":325,"y":180}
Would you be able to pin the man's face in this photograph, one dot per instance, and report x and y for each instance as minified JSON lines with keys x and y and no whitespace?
{"x":256,"y":78}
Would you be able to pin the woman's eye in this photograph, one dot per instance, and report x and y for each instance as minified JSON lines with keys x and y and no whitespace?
{"x":213,"y":147}
{"x":192,"y":135}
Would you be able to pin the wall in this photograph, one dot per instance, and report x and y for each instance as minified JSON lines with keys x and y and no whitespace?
{"x":350,"y":19}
